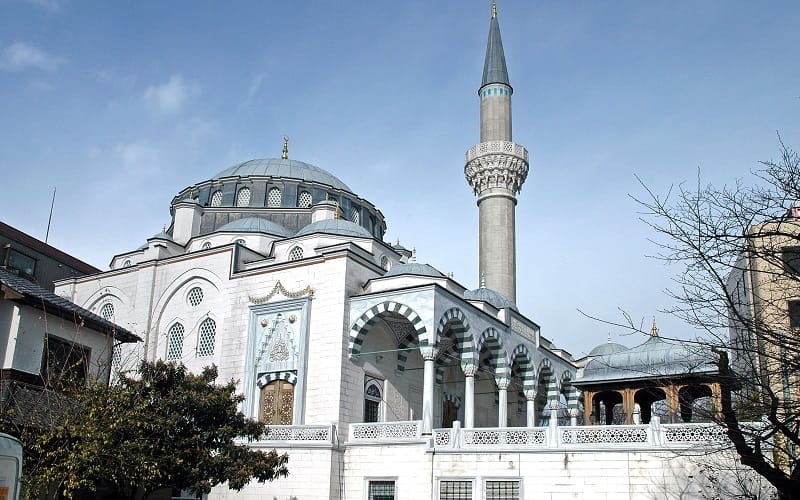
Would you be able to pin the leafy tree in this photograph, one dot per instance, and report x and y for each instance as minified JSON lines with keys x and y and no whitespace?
{"x":163,"y":428}
{"x":739,"y":248}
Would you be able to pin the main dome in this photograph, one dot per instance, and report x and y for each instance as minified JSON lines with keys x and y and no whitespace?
{"x":288,"y":169}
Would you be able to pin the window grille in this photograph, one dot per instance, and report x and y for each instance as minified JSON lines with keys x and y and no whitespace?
{"x":304,"y":199}
{"x":381,"y":490}
{"x":107,"y":311}
{"x":175,"y":342}
{"x":243,"y":197}
{"x":206,"y":245}
{"x":216,"y":199}
{"x":274,"y":198}
{"x":502,"y":490}
{"x":355,"y":216}
{"x":205,"y":344}
{"x":296,"y":253}
{"x":195,"y":296}
{"x":116,"y":356}
{"x":455,"y":490}
{"x":372,"y":402}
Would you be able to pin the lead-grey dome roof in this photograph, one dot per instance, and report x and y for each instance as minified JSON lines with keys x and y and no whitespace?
{"x":414,"y":268}
{"x":607,"y":348}
{"x":255,"y":225}
{"x":339,"y":227}
{"x":495,"y":298}
{"x":290,"y":169}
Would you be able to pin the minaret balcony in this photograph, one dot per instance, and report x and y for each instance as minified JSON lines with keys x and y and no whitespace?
{"x":496,"y":164}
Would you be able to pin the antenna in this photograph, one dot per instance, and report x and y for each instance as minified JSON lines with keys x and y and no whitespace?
{"x":50,"y":219}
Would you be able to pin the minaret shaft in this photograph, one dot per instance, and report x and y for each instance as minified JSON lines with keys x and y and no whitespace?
{"x":496,"y":114}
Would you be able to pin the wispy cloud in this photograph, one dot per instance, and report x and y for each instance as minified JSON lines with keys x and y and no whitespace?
{"x":21,"y":56}
{"x":169,"y":97}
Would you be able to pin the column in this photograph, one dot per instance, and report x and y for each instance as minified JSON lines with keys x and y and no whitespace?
{"x":530,"y":407}
{"x":553,"y":404}
{"x":589,"y":408}
{"x":627,"y":405}
{"x":672,"y":403}
{"x":502,"y":397}
{"x":716,"y":396}
{"x":573,"y":416}
{"x":469,"y":396}
{"x":429,"y":354}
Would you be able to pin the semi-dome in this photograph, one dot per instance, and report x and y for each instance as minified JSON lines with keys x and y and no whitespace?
{"x":414,"y":268}
{"x":338,"y":227}
{"x":607,"y":348}
{"x":255,"y":225}
{"x":284,"y":168}
{"x":492,"y":297}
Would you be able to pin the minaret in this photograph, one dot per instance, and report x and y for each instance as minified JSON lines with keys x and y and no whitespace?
{"x":496,"y":169}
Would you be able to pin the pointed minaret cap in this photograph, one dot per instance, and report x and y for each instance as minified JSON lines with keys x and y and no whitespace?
{"x":494,"y":66}
{"x":654,"y":330}
{"x":483,"y":280}
{"x":285,"y":153}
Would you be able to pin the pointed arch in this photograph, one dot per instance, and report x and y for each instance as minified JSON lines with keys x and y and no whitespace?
{"x":569,"y":391}
{"x":365,"y":321}
{"x":551,"y":383}
{"x":498,"y":358}
{"x":521,"y":357}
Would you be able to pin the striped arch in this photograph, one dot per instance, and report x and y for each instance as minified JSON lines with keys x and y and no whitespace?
{"x":569,"y":391}
{"x":458,"y":324}
{"x":362,"y":324}
{"x":266,"y":378}
{"x":498,"y":359}
{"x":546,"y":369}
{"x":521,"y":357}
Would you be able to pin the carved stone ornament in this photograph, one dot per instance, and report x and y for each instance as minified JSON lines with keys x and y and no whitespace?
{"x":279,"y":288}
{"x":496,"y":164}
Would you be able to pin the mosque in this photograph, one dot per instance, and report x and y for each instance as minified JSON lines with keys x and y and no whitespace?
{"x":380,"y":376}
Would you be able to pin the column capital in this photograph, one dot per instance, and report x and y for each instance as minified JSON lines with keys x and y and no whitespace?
{"x":574,"y":412}
{"x":429,"y":352}
{"x":469,"y":369}
{"x":530,"y":395}
{"x":502,"y":382}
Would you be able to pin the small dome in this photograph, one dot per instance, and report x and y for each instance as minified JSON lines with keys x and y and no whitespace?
{"x":414,"y":268}
{"x":492,"y":297}
{"x":607,"y":348}
{"x":289,"y":169}
{"x":160,"y":236}
{"x":338,"y":227}
{"x":255,"y":225}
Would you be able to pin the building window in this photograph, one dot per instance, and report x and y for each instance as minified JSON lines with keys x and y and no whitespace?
{"x":794,"y":314}
{"x":355,"y":216}
{"x":195,"y":296}
{"x":296,"y":253}
{"x":243,"y":197}
{"x":502,"y":490}
{"x":274,"y":198}
{"x":175,"y":342}
{"x":372,"y":401}
{"x":116,"y":356}
{"x":64,"y":364}
{"x":381,"y":490}
{"x":791,"y":260}
{"x":455,"y":490}
{"x":216,"y":198}
{"x":127,"y":263}
{"x":107,"y":311}
{"x":205,"y":344}
{"x":385,"y":262}
{"x":241,"y":242}
{"x":304,"y":199}
{"x":19,"y":261}
{"x":206,"y":245}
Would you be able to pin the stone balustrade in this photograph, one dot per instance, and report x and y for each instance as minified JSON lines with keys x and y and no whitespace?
{"x":298,"y":435}
{"x":374,"y":432}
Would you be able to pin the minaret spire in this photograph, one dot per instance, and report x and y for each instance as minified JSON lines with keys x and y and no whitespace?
{"x":496,"y":169}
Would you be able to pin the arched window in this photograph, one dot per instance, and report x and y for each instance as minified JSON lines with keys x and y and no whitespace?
{"x":296,"y":253}
{"x":274,"y":198}
{"x":304,"y":199}
{"x":372,"y":401}
{"x":175,"y":342}
{"x":355,"y":216}
{"x":241,"y":242}
{"x":205,"y":341}
{"x":385,"y":262}
{"x":243,"y":197}
{"x":127,"y":263}
{"x":195,"y":296}
{"x":206,"y":245}
{"x":116,"y":356}
{"x":216,"y":199}
{"x":107,"y":311}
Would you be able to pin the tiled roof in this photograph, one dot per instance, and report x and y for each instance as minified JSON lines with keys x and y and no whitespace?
{"x":35,"y":296}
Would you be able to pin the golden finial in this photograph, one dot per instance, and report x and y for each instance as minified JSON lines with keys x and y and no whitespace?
{"x":654,"y":330}
{"x":413,"y":254}
{"x":285,"y":154}
{"x":494,"y":10}
{"x":336,"y":212}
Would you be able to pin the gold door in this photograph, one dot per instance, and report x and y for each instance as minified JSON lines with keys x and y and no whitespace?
{"x":277,"y":403}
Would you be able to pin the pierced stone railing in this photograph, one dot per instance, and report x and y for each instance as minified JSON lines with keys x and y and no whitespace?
{"x":605,"y":435}
{"x":497,"y":147}
{"x":509,"y":437}
{"x":697,"y":433}
{"x":299,"y":434}
{"x":386,"y":431}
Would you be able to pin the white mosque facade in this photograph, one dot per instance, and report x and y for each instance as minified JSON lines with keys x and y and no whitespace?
{"x":380,"y":376}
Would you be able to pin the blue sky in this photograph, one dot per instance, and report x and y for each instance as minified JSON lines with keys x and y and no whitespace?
{"x":121,"y":104}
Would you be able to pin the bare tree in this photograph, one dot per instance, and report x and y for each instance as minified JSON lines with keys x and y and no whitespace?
{"x":739,"y":286}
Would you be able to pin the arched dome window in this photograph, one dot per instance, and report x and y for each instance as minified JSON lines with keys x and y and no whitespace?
{"x":216,"y":199}
{"x":241,"y":242}
{"x":274,"y":197}
{"x":243,"y":197}
{"x":175,"y":342}
{"x":127,"y":263}
{"x":206,"y":245}
{"x":304,"y":199}
{"x":107,"y":311}
{"x":195,"y":296}
{"x":296,"y":253}
{"x":355,"y":216}
{"x":205,"y":341}
{"x":385,"y":262}
{"x":372,"y":401}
